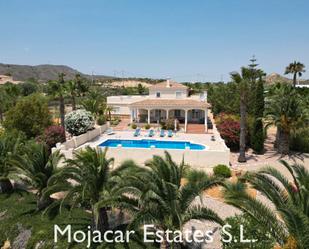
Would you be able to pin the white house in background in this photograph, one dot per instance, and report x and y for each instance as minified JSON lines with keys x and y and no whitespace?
{"x":302,"y":85}
{"x":166,"y":100}
{"x":6,"y":78}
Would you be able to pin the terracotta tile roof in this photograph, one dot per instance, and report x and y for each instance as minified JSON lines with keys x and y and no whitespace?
{"x":170,"y":103}
{"x":172,"y":85}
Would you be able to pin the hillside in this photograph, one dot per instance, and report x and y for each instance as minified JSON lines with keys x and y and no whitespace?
{"x":43,"y":73}
{"x":40,"y":72}
{"x":127,"y":83}
{"x":275,"y":78}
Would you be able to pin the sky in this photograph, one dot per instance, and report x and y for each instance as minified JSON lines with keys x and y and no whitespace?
{"x":197,"y":40}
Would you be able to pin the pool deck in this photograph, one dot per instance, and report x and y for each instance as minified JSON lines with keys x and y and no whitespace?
{"x":216,"y":151}
{"x":204,"y":139}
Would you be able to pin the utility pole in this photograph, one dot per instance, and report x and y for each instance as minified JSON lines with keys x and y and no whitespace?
{"x":92,"y":77}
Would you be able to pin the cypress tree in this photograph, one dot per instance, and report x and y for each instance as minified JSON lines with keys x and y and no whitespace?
{"x":257,"y":138}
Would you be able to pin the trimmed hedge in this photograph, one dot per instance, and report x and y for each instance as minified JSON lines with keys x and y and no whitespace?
{"x":222,"y":170}
{"x":299,"y":140}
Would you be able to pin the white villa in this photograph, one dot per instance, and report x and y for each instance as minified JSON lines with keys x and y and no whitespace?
{"x":166,"y":100}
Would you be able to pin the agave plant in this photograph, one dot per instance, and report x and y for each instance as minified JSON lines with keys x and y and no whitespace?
{"x":289,"y":216}
{"x":162,"y":194}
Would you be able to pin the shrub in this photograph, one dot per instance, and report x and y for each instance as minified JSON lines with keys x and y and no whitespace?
{"x":133,"y":126}
{"x":30,"y":115}
{"x":222,"y":170}
{"x":28,"y":88}
{"x":115,"y":122}
{"x":147,"y":126}
{"x":299,"y":140}
{"x":78,"y":122}
{"x":252,"y":230}
{"x":170,"y":124}
{"x":101,"y":120}
{"x":229,"y":130}
{"x":54,"y":134}
{"x":226,"y":116}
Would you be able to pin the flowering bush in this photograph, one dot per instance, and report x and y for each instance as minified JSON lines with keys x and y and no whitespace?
{"x":229,"y":130}
{"x":54,"y":134}
{"x":78,"y":122}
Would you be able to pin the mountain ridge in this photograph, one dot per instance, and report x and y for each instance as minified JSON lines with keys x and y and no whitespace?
{"x":42,"y":72}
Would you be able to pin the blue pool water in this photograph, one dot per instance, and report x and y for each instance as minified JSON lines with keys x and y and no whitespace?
{"x":148,"y":143}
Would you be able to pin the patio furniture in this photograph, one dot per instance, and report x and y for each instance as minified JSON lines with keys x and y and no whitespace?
{"x":151,"y":133}
{"x":137,"y":132}
{"x":170,"y":133}
{"x":162,"y":133}
{"x":110,"y":131}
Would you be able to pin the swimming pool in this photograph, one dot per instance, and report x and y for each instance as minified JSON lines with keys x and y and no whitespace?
{"x":152,"y":143}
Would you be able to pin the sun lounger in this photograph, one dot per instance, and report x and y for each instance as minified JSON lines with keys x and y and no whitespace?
{"x":170,"y":133}
{"x":137,"y":132}
{"x":151,"y":133}
{"x":110,"y":131}
{"x":162,"y":133}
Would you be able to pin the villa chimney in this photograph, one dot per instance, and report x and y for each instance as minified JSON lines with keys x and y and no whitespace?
{"x":168,"y":84}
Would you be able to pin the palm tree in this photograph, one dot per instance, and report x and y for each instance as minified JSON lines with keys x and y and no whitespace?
{"x":295,"y":68}
{"x":76,"y":88}
{"x":285,"y":109}
{"x":94,"y":102}
{"x":87,"y":179}
{"x":159,"y":195}
{"x":72,"y":89}
{"x":59,"y":89}
{"x":288,"y":220}
{"x":108,"y":112}
{"x":36,"y":168}
{"x":242,"y":80}
{"x":8,"y":148}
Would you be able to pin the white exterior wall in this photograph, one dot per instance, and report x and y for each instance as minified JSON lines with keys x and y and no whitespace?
{"x":120,"y":103}
{"x":168,"y":93}
{"x":197,"y":159}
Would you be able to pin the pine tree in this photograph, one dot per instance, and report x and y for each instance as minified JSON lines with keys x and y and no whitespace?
{"x":257,"y":136}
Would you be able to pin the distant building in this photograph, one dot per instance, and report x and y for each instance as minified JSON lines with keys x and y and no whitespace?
{"x":302,"y":86}
{"x":6,"y":78}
